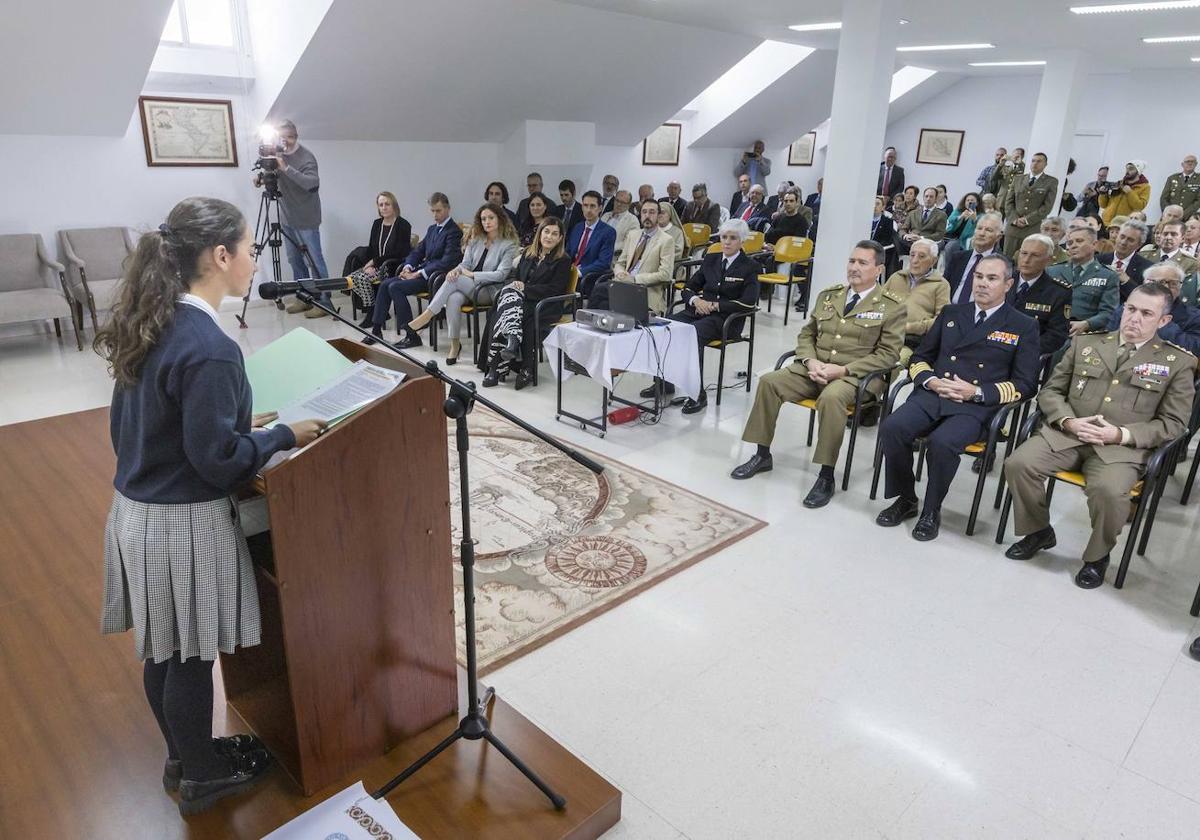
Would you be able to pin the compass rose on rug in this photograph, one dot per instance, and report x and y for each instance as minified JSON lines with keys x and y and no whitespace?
{"x":595,"y":562}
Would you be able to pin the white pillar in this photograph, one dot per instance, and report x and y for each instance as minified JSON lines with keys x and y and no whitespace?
{"x":861,"y":88}
{"x":1057,"y":112}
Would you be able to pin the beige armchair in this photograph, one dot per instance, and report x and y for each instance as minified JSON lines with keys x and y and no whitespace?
{"x":33,"y":286}
{"x":95,"y":262}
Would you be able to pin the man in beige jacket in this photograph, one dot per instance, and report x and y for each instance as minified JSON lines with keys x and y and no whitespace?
{"x":923,"y":290}
{"x":647,"y":258}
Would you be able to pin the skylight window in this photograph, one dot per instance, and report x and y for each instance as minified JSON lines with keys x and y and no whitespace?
{"x":907,"y":78}
{"x":201,"y":23}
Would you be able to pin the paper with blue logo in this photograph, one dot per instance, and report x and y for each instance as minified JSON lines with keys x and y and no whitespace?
{"x":349,"y":815}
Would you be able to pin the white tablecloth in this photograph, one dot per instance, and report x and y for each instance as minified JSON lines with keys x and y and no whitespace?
{"x":667,"y":350}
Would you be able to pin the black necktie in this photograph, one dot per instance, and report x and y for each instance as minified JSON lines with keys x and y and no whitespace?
{"x":1032,"y":178}
{"x":982,"y":317}
{"x":1022,"y":290}
{"x":965,"y":283}
{"x":850,"y":304}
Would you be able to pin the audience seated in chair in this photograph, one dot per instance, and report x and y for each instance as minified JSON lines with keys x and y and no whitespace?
{"x":700,"y":210}
{"x":669,"y":222}
{"x":1124,"y":259}
{"x":569,"y":211}
{"x":960,"y":266}
{"x":591,"y":244}
{"x":1111,"y":399}
{"x":497,"y":193}
{"x":647,"y":258}
{"x":740,"y":196}
{"x":537,"y":208}
{"x":486,"y":263}
{"x":388,"y":243}
{"x":675,"y":198}
{"x":925,"y":222}
{"x":1045,"y":298}
{"x":437,"y":253}
{"x":791,"y":219}
{"x":544,"y":271}
{"x":725,"y":284}
{"x":924,"y":292}
{"x":620,"y":220}
{"x":1094,"y":293}
{"x":1183,"y":329}
{"x":754,"y":210}
{"x":975,"y":358}
{"x":533,"y":184}
{"x":856,"y":328}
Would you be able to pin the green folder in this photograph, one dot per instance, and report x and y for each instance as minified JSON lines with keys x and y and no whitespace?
{"x":290,"y":367}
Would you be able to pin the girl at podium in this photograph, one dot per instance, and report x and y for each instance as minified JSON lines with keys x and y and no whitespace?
{"x":176,"y":567}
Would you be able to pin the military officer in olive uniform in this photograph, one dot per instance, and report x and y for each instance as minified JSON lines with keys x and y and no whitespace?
{"x":1096,"y":290}
{"x":855,"y":328}
{"x":1168,"y":239}
{"x":977,"y":357}
{"x":1008,"y":170}
{"x":1028,"y":202}
{"x":1111,"y":400}
{"x":1183,"y":188}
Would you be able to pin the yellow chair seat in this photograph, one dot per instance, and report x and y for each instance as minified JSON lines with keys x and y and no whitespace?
{"x":811,"y":405}
{"x":976,"y":448}
{"x":1077,"y":478}
{"x":773,"y":278}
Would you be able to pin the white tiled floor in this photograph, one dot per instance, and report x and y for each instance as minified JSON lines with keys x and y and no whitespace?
{"x":826,"y":678}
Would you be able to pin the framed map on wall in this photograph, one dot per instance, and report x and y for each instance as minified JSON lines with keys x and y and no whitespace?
{"x":661,"y":148}
{"x":940,"y":146}
{"x":187,"y":132}
{"x":801,"y":152}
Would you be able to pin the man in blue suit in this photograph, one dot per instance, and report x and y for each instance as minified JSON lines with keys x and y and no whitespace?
{"x":437,"y":253}
{"x":976,"y":357}
{"x":590,"y":243}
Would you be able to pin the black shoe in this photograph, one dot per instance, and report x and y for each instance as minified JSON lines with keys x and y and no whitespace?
{"x":869,"y":416}
{"x":756,"y":464}
{"x":227,"y":745}
{"x":1091,"y":575}
{"x":246,"y":769}
{"x":696,"y":406}
{"x":648,"y":393}
{"x":1031,"y":544}
{"x":820,"y":494}
{"x":377,"y":333}
{"x":1194,"y":650}
{"x":927,"y":526}
{"x":524,"y":380}
{"x":409,"y":341}
{"x":511,"y":351}
{"x":493,"y":375}
{"x":977,"y":465}
{"x":897,"y":512}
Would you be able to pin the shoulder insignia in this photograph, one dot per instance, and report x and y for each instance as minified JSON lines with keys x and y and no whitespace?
{"x":1094,"y":332}
{"x":892,"y":296}
{"x":1177,"y":347}
{"x":1060,"y":280}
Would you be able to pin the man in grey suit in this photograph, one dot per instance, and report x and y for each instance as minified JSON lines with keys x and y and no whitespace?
{"x":1028,"y":202}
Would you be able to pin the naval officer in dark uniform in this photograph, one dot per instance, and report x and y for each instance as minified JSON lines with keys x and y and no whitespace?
{"x":1042,"y":296}
{"x":977,"y":357}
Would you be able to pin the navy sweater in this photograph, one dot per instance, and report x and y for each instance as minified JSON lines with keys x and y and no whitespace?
{"x":182,"y":433}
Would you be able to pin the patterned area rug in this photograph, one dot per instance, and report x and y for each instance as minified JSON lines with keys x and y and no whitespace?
{"x":557,"y":545}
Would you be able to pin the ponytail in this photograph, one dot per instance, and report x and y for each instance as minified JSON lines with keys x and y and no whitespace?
{"x":160,"y":270}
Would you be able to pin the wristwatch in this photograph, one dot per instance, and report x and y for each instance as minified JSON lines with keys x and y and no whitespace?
{"x":978,"y":398}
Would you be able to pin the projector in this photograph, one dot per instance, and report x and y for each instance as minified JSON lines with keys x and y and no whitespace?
{"x":605,"y":320}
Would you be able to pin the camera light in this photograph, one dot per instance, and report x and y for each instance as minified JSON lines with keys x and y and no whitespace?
{"x":268,"y":134}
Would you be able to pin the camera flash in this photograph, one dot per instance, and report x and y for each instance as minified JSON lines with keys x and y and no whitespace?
{"x":267,"y":134}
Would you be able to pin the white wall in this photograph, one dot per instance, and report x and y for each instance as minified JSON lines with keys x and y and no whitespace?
{"x":995,"y":111}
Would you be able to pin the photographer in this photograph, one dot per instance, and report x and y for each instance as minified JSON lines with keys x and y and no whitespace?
{"x":754,"y":164}
{"x":1089,"y":199}
{"x":1130,"y":194}
{"x":295,"y":171}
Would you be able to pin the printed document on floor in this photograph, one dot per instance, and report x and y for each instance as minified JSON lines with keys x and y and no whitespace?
{"x":349,"y":815}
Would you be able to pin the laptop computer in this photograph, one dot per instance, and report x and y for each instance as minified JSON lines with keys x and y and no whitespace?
{"x":630,"y":299}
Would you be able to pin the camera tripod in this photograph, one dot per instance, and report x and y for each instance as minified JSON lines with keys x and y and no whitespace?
{"x":269,"y":233}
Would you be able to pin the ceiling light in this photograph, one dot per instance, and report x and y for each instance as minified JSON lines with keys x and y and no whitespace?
{"x":938,"y":47}
{"x":821,"y":27}
{"x":1172,"y":39}
{"x":1006,"y":63}
{"x":1109,"y":8}
{"x":1196,"y":58}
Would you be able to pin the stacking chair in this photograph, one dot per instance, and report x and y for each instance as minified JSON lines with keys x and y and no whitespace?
{"x":983,"y":450}
{"x":1142,"y":493}
{"x":33,"y":287}
{"x":754,"y":243}
{"x":731,"y":333}
{"x":95,"y":262}
{"x":570,"y":302}
{"x":688,"y":267}
{"x":797,"y":252}
{"x":696,"y":236}
{"x":472,"y":308}
{"x":863,"y":398}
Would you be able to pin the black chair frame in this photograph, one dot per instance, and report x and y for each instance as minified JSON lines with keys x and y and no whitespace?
{"x":731,"y":333}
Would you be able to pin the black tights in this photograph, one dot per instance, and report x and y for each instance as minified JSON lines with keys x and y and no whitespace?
{"x":181,"y":697}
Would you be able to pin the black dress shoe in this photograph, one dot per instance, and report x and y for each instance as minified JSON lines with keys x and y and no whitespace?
{"x":409,"y":341}
{"x":820,"y":494}
{"x":246,"y":769}
{"x":1031,"y":544}
{"x":226,"y":745}
{"x":648,"y":393}
{"x":897,"y":512}
{"x":1091,"y":575}
{"x":377,"y":333}
{"x":1194,"y":650}
{"x":511,"y":352}
{"x":928,"y":526}
{"x":696,"y":406}
{"x":756,"y":464}
{"x":524,"y":380}
{"x":493,"y":375}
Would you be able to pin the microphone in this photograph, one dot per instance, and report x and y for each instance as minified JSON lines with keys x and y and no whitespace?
{"x":271,"y":291}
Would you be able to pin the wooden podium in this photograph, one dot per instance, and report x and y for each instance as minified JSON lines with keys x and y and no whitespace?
{"x":355,"y":582}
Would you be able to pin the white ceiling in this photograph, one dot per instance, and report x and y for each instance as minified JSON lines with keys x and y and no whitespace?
{"x":473,"y":70}
{"x":75,"y":66}
{"x":1020,"y":29}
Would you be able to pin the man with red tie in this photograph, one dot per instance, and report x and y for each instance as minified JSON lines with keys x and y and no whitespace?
{"x":590,"y":243}
{"x":1125,"y":259}
{"x":891,"y":176}
{"x":755,"y":212}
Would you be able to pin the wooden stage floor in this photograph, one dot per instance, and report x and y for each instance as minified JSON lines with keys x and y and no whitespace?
{"x":80,"y":754}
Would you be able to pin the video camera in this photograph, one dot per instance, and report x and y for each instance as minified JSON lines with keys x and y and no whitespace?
{"x":267,"y":166}
{"x":1107,"y":187}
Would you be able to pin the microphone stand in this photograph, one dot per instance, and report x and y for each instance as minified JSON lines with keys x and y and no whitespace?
{"x":459,"y":402}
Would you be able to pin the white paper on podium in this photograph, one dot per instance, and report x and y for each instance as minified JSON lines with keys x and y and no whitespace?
{"x":349,"y":815}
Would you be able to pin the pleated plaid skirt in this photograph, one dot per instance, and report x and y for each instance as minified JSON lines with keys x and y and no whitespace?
{"x":180,"y":577}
